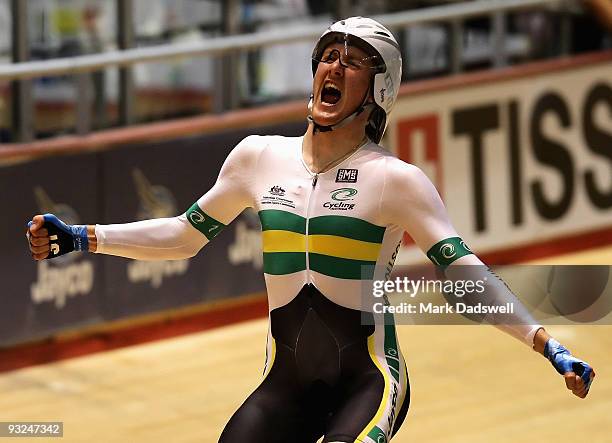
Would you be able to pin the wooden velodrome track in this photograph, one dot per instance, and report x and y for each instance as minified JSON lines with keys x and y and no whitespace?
{"x":469,"y":384}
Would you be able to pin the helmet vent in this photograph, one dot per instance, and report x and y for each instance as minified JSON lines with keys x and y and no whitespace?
{"x":381,"y":33}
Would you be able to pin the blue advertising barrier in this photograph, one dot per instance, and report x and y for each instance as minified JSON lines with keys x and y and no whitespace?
{"x":148,"y":180}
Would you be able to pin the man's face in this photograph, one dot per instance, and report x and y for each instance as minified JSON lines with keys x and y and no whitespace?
{"x":340,"y":83}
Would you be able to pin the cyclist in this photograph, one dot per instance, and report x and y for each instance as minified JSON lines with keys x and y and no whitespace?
{"x":333,"y":207}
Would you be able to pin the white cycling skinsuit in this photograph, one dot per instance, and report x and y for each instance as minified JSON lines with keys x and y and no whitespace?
{"x":327,"y":373}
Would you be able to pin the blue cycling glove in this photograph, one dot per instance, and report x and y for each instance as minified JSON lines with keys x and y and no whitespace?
{"x":563,"y":361}
{"x":64,"y":238}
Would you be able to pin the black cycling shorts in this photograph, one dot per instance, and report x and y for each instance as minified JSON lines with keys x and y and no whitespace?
{"x":324,"y":379}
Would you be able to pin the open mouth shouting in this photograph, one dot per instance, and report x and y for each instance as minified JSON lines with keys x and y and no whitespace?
{"x":330,"y":94}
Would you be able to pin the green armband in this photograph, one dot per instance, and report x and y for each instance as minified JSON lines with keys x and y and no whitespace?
{"x":447,"y":251}
{"x":203,"y":222}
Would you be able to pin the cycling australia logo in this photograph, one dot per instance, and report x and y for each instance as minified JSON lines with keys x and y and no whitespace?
{"x":197,"y":217}
{"x":342,"y":198}
{"x":447,"y":250}
{"x":155,"y":201}
{"x":63,"y":277}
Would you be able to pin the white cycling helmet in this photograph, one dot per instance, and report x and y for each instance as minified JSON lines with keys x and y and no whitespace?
{"x":377,"y":40}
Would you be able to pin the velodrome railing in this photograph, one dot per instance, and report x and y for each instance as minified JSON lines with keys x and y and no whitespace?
{"x":224,"y":47}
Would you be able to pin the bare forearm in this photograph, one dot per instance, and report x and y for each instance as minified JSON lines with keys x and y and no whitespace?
{"x":540,"y":339}
{"x":91,"y":238}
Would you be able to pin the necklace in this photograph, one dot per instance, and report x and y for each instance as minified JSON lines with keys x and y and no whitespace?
{"x":336,"y":161}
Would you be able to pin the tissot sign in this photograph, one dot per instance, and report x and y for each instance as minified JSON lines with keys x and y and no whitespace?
{"x":516,"y":160}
